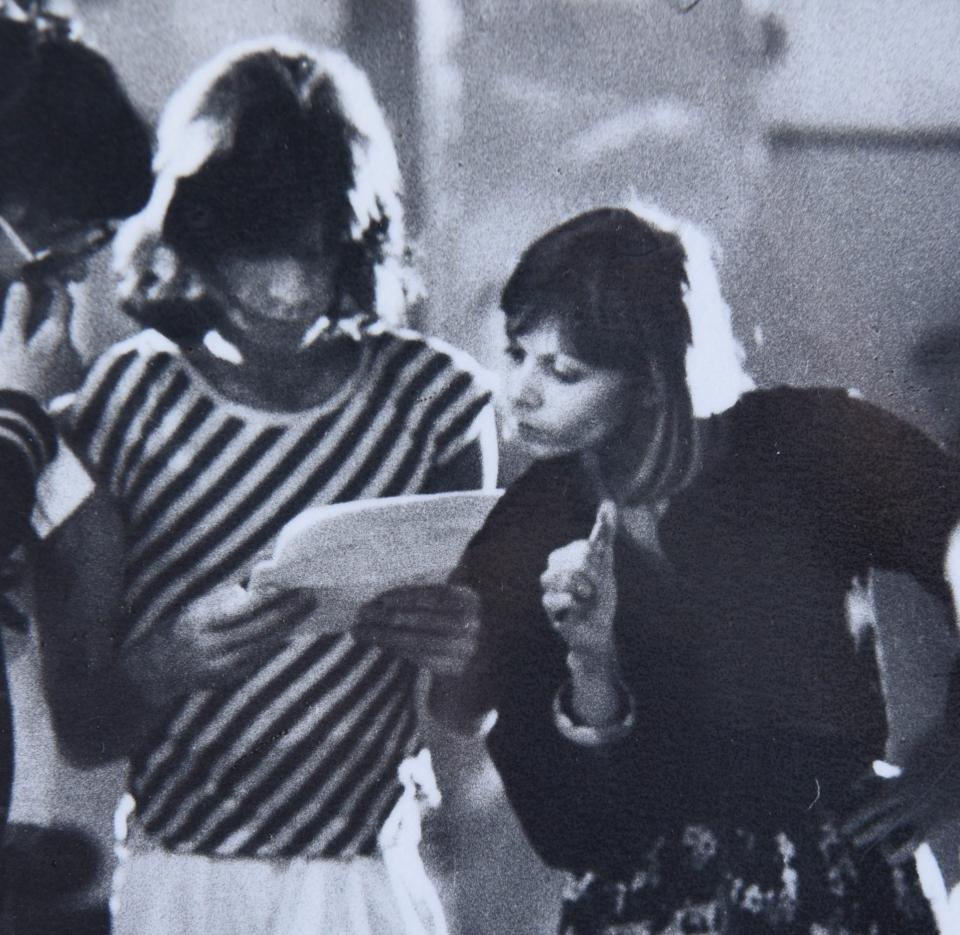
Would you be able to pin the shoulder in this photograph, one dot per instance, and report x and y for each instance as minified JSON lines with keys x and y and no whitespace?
{"x":132,"y":354}
{"x":825,"y":440}
{"x":810,"y":418}
{"x":111,"y":379}
{"x":390,"y":340}
{"x":789,"y":408}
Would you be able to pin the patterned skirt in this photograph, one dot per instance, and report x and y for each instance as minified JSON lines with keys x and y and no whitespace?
{"x":736,"y":882}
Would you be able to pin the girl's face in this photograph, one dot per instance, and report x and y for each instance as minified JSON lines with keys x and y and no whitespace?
{"x":271,"y":302}
{"x":562,"y":405}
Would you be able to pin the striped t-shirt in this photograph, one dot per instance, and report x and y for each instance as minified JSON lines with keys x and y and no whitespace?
{"x":301,"y":759}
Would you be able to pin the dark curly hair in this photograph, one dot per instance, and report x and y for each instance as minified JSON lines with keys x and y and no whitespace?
{"x":72,"y":146}
{"x":269,"y":141}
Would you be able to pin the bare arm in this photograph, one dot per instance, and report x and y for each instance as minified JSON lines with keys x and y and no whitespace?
{"x":925,"y":795}
{"x":108,"y":692}
{"x":97,"y":714}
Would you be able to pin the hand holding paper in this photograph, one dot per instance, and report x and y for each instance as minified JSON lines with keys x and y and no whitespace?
{"x":352,"y":553}
{"x":216,"y":640}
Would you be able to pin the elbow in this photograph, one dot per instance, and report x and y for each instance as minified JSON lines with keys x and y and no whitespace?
{"x":90,"y":727}
{"x":86,"y":739}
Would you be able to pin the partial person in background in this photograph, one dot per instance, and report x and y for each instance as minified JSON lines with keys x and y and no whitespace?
{"x":265,"y":758}
{"x":686,"y":714}
{"x":74,"y":158}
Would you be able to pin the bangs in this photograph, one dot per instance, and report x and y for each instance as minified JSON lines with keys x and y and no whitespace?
{"x":285,"y":169}
{"x":613,"y":285}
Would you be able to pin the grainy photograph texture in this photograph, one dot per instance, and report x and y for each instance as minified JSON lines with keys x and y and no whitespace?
{"x":479,"y":467}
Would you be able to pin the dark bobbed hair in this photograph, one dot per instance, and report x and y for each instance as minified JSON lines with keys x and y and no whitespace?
{"x":72,"y":146}
{"x":615,"y":284}
{"x":268,"y":142}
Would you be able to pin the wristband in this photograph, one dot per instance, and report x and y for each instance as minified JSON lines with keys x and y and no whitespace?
{"x":587,"y":735}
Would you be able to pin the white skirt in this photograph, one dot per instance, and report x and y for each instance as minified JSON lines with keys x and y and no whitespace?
{"x":157,"y":892}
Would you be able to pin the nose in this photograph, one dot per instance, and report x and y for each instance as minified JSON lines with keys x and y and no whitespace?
{"x":288,"y":282}
{"x":524,"y":389}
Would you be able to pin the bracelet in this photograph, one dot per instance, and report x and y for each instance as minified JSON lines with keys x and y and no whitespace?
{"x":586,"y":735}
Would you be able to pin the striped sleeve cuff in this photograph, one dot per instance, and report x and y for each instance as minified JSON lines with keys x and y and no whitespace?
{"x":25,"y":425}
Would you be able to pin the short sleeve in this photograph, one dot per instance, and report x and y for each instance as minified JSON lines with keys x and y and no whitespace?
{"x":467,"y":394}
{"x":100,"y":421}
{"x":27,"y":444}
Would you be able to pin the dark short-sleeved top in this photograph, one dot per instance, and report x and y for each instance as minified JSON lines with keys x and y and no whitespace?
{"x":756,"y":704}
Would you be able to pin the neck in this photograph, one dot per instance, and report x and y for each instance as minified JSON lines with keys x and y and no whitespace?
{"x":294,"y":381}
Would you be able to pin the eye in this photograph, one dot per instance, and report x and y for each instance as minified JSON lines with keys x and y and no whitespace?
{"x":566,"y":373}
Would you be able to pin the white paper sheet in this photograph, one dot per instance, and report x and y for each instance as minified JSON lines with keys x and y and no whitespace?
{"x":352,"y":552}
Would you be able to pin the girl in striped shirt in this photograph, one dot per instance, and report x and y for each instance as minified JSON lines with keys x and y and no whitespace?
{"x":263,"y":767}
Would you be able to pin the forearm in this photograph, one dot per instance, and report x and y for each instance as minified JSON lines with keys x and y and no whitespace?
{"x":98,"y":712}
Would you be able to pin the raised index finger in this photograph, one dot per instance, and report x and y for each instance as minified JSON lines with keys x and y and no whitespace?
{"x":604,"y":529}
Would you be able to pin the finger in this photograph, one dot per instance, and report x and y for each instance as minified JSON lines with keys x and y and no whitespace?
{"x":434,"y":597}
{"x":269,"y":626}
{"x":458,"y":643}
{"x":604,"y":529}
{"x":443,"y":665}
{"x":241,"y":663}
{"x":881,"y":827}
{"x":438,"y":623}
{"x":263,"y":604}
{"x":902,"y":843}
{"x":875,"y":809}
{"x":429,"y":619}
{"x":412,"y":644}
{"x":579,"y":580}
{"x":16,"y":310}
{"x":905,"y":852}
{"x":880,"y":831}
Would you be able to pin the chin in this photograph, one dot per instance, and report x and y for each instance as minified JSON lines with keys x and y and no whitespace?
{"x":541,"y":449}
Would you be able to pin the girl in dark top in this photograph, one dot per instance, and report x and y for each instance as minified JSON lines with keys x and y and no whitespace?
{"x":684,"y":711}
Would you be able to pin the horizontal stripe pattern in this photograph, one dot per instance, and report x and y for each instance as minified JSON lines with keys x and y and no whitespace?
{"x":26,"y":427}
{"x":301,"y":759}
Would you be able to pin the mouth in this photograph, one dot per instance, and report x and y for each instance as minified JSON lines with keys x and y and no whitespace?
{"x":288,"y":314}
{"x":535,"y":434}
